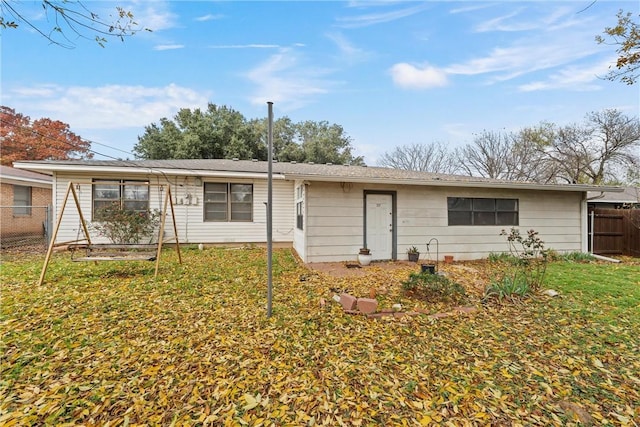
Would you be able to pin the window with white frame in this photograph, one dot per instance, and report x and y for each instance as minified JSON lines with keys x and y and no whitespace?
{"x":299,"y":216}
{"x":21,"y":200}
{"x":300,"y":207}
{"x":228,"y":202}
{"x":482,"y":211}
{"x":125,"y":194}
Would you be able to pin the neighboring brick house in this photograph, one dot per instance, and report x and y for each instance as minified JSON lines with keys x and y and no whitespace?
{"x":24,"y":197}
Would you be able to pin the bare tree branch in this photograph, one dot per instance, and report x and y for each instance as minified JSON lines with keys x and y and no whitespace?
{"x":434,"y":157}
{"x":68,"y":17}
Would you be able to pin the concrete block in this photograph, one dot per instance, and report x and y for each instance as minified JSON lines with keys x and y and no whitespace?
{"x":367,"y":305}
{"x":348,"y":302}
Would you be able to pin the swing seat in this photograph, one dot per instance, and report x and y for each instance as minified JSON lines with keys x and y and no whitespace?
{"x":106,"y":252}
{"x":110,"y":252}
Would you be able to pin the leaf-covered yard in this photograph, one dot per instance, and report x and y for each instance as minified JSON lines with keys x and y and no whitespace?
{"x":106,"y":344}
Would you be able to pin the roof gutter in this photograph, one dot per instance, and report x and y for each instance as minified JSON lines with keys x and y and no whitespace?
{"x":314,"y":177}
{"x":27,"y":180}
{"x":148,"y":171}
{"x":600,"y":196}
{"x":447,"y":183}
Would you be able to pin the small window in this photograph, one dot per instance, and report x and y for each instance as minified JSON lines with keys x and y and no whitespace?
{"x":299,"y":216}
{"x":476,"y":211}
{"x":126,"y":195}
{"x":21,"y":200}
{"x":228,"y":202}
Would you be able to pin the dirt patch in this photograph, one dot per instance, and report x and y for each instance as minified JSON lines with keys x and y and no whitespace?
{"x":353,"y":269}
{"x":474,"y":276}
{"x":35,"y":249}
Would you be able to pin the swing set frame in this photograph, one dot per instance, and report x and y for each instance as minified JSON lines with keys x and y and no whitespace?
{"x":116,"y":252}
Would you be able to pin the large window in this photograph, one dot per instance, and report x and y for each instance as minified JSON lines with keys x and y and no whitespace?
{"x":129,"y":195}
{"x":21,"y":200}
{"x":228,"y":202}
{"x":474,"y":211}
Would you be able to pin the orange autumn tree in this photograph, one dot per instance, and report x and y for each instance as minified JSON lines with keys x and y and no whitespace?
{"x":41,"y":139}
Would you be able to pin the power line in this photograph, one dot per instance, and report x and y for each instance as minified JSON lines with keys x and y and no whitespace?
{"x":35,"y":132}
{"x":126,"y":161}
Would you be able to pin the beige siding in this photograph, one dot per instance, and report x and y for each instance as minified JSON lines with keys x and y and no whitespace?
{"x":335,"y":223}
{"x":189,"y":211}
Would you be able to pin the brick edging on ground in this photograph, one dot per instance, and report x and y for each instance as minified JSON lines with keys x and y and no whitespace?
{"x":369,"y":308}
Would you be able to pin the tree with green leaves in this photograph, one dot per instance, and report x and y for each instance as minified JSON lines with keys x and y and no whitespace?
{"x":70,"y":18}
{"x":221,"y":132}
{"x":322,"y":142}
{"x":216,"y":133}
{"x":626,"y":36}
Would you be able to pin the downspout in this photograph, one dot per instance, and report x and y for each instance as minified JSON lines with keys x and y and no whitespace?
{"x":588,"y":246}
{"x":600,"y":196}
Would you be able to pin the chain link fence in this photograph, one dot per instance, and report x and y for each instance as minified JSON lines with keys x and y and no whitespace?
{"x":25,"y":227}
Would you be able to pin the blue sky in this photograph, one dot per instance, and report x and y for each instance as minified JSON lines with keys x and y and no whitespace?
{"x":391,"y":73}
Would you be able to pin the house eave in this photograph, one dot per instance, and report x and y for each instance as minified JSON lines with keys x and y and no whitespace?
{"x":469,"y":182}
{"x":34,"y":182}
{"x":145,"y":171}
{"x":451,"y":183}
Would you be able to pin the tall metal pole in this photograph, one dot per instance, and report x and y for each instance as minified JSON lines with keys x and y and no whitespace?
{"x":270,"y":212}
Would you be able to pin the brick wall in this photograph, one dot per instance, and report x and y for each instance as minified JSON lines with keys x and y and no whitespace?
{"x":23,"y":225}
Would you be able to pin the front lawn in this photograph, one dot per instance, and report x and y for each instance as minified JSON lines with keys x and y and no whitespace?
{"x":108,"y":343}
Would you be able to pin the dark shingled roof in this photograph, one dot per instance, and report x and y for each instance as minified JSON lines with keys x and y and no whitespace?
{"x":292,"y":170}
{"x":283,"y":168}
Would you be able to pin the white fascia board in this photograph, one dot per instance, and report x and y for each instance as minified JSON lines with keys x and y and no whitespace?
{"x":470,"y":184}
{"x":35,"y":182}
{"x":146,"y":171}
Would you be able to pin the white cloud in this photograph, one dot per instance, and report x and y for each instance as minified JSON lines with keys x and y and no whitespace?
{"x":527,"y":55}
{"x":500,"y":24}
{"x":245,"y":46}
{"x":378,"y":18}
{"x":282,"y":79}
{"x":348,"y":50}
{"x":411,"y":77}
{"x":473,"y":8}
{"x":155,"y":15}
{"x":209,"y":17}
{"x":168,"y":46}
{"x":105,"y":107}
{"x":574,"y":77}
{"x":458,"y":131}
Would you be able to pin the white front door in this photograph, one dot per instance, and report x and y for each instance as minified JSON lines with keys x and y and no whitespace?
{"x":379,"y":225}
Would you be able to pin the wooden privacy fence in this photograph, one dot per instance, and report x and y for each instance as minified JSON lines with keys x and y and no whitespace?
{"x":614,"y":232}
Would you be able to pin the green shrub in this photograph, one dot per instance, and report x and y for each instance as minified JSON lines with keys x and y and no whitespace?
{"x":553,"y":255}
{"x":434,"y":287}
{"x":577,"y":257}
{"x":122,"y":226}
{"x":530,"y":256}
{"x":509,"y":287}
{"x":501,"y":257}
